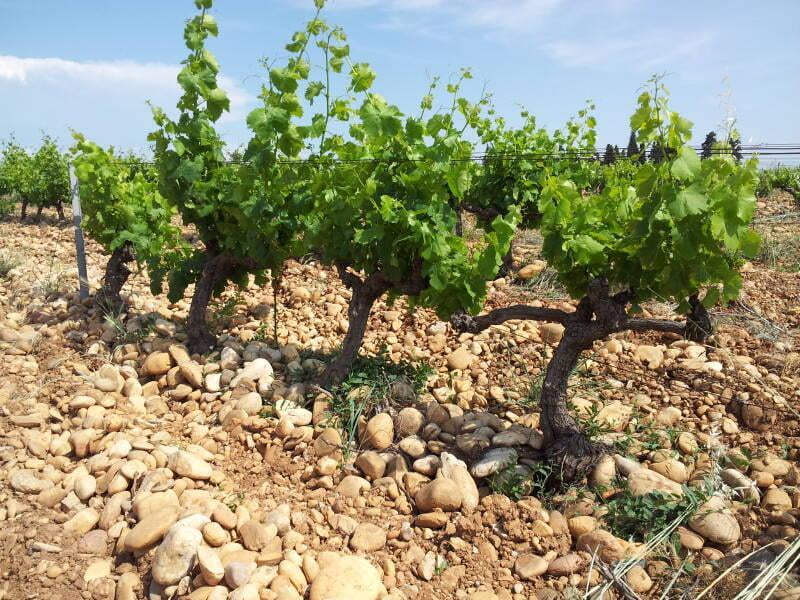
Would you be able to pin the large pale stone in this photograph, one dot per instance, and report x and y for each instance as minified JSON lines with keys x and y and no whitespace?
{"x":158,"y":363}
{"x":409,"y":421}
{"x":607,"y":547}
{"x":368,"y":538}
{"x":529,"y":566}
{"x":532,"y":270}
{"x":151,"y":528}
{"x":176,"y":555}
{"x":493,"y":461}
{"x":190,"y":465}
{"x":347,"y":577}
{"x":615,"y":416}
{"x":551,"y":333}
{"x":83,"y":521}
{"x":715,"y":523}
{"x":460,"y":359}
{"x":255,"y":370}
{"x":645,"y":481}
{"x":26,"y":482}
{"x":379,"y":432}
{"x":456,"y":471}
{"x":439,"y":493}
{"x":108,"y":379}
{"x":650,"y":355}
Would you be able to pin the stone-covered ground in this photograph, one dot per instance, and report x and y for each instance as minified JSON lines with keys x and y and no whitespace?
{"x":130,"y":469}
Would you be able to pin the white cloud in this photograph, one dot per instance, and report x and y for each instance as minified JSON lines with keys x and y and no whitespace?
{"x":551,"y":25}
{"x":116,"y":75}
{"x":652,"y":49}
{"x":392,"y":5}
{"x":507,"y":15}
{"x":493,"y":15}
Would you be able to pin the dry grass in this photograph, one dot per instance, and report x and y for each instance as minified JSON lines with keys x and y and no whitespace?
{"x":780,"y":252}
{"x":8,"y":261}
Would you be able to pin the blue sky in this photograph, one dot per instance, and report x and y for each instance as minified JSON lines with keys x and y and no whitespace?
{"x":91,"y":65}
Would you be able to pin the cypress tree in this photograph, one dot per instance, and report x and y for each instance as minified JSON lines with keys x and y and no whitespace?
{"x":609,"y":157}
{"x":736,"y":148}
{"x":656,"y":154}
{"x":708,"y":145}
{"x":633,"y":148}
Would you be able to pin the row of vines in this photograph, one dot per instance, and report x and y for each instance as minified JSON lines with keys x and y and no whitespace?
{"x":336,"y":171}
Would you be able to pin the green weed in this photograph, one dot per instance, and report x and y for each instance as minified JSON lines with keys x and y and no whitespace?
{"x":516,"y":483}
{"x":123,"y":335}
{"x":369,"y":388}
{"x":7,"y":262}
{"x":53,"y":282}
{"x":640,"y":517}
{"x":545,"y":285}
{"x":224,"y":310}
{"x":781,"y":253}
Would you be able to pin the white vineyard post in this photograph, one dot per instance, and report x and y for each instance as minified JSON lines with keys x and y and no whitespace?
{"x":80,"y":251}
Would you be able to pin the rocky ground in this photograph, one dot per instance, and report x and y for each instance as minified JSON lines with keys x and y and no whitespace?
{"x":130,"y":469}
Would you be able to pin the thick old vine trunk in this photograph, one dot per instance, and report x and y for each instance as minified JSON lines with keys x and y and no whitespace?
{"x":117,"y":273}
{"x":459,"y":221}
{"x":792,"y":191}
{"x":60,"y":211}
{"x":216,"y":269}
{"x":24,"y":211}
{"x":39,"y":209}
{"x":566,"y":445}
{"x":698,"y":321}
{"x":508,"y":262}
{"x":365,"y":293}
{"x":597,"y":316}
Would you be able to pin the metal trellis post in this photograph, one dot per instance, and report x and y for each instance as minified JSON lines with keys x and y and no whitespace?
{"x":80,"y":251}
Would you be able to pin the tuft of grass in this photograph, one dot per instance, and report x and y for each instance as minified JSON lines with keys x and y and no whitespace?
{"x":515,"y":482}
{"x":8,"y":261}
{"x":756,"y":324}
{"x":780,"y":253}
{"x":125,"y":336}
{"x":534,"y":396}
{"x":546,"y":285}
{"x":53,"y":282}
{"x":592,"y":427}
{"x":224,"y":310}
{"x":368,"y":389}
{"x":645,"y":435}
{"x":639,"y":517}
{"x":234,"y":502}
{"x":441,"y":566}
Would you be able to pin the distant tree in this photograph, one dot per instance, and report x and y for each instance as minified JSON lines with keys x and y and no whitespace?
{"x":708,"y":145}
{"x":609,"y":156}
{"x":735,"y":145}
{"x":632,"y":150}
{"x":659,"y":153}
{"x":656,"y":154}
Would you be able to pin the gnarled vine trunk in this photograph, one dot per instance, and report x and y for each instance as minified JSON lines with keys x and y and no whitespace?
{"x":792,"y":191}
{"x":507,"y":267}
{"x":597,"y":316}
{"x":60,"y":211}
{"x":24,"y":210}
{"x":215,"y":270}
{"x":698,"y":322}
{"x":365,"y":293}
{"x":459,"y":221}
{"x":117,"y":273}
